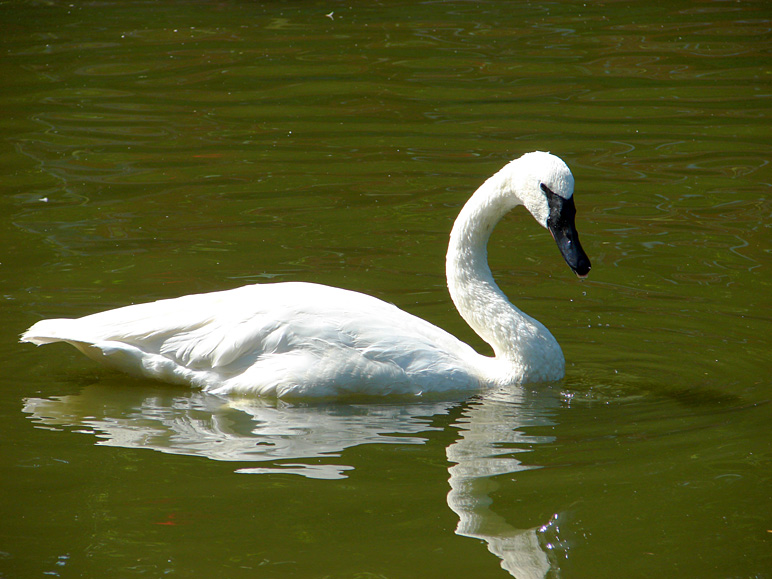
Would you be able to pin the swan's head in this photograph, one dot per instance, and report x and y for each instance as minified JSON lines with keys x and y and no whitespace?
{"x":545,"y":185}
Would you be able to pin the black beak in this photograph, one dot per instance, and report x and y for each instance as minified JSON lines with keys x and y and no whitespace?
{"x":562,"y":226}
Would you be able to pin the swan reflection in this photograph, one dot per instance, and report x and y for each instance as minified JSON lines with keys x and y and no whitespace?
{"x":299,"y":439}
{"x":484,"y":450}
{"x":243,"y":430}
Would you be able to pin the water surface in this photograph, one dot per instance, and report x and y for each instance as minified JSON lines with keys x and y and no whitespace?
{"x":151,"y":151}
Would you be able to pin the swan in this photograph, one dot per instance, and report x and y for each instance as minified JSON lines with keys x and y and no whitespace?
{"x":297,"y":339}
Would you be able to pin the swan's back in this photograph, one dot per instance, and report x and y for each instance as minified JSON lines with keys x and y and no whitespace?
{"x":274,"y":339}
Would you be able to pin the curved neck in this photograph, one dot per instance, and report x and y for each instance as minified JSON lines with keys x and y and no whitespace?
{"x":514,"y":336}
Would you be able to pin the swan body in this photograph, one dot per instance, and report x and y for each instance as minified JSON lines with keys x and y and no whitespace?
{"x":302,"y":339}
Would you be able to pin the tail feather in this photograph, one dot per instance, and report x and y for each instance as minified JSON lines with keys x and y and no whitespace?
{"x":48,"y":331}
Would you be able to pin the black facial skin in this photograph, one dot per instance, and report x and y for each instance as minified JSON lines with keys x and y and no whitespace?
{"x":563,"y":229}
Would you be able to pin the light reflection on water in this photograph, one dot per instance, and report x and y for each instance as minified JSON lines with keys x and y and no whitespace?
{"x":306,"y":439}
{"x":240,"y":430}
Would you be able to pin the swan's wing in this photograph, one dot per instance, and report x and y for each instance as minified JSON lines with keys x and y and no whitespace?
{"x":201,"y":330}
{"x":289,"y":338}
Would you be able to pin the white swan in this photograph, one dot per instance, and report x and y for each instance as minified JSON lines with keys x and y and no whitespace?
{"x":304,"y":339}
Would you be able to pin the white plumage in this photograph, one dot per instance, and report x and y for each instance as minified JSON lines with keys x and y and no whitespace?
{"x":304,"y":339}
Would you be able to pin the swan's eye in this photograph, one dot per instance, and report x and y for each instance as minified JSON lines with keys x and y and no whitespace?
{"x":546,"y":189}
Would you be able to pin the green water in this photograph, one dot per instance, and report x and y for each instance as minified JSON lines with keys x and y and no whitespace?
{"x":151,"y":150}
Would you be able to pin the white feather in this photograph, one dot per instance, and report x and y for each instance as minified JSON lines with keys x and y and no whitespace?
{"x":304,"y":339}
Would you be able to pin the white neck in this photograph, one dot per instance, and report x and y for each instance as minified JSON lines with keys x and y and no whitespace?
{"x":525,"y":347}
